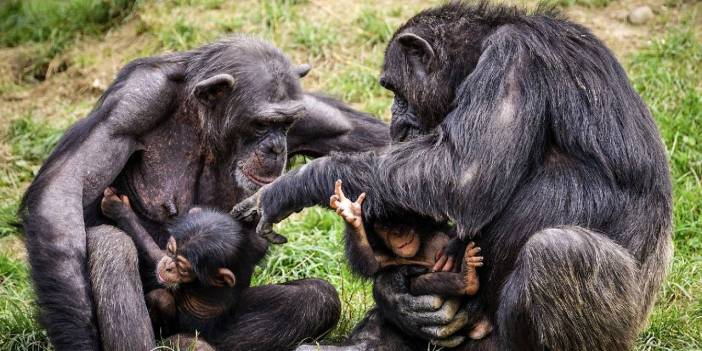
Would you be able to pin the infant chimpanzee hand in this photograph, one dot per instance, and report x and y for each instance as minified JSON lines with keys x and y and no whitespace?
{"x":350,"y":211}
{"x":114,"y":206}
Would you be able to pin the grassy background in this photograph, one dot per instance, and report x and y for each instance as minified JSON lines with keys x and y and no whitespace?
{"x":56,"y":57}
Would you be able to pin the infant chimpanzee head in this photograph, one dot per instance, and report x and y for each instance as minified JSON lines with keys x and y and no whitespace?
{"x":203,"y":249}
{"x":404,"y":241}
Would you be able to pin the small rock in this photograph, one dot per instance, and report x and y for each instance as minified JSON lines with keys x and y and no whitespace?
{"x":640,"y":15}
{"x":621,"y":15}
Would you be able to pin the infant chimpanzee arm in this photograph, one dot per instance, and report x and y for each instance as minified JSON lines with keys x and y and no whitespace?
{"x":361,"y":256}
{"x":464,"y":282}
{"x":117,"y":208}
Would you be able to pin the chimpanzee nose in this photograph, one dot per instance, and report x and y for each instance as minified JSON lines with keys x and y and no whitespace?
{"x":276,"y":148}
{"x":384,"y":81}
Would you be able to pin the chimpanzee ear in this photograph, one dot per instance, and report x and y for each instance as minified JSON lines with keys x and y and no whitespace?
{"x":417,"y":49}
{"x":302,"y":70}
{"x":211,"y":90}
{"x":224,"y":277}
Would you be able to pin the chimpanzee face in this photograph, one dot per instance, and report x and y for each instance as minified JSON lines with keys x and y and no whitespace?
{"x":175,"y":269}
{"x":417,"y":76}
{"x":262,"y":150}
{"x":255,"y":110}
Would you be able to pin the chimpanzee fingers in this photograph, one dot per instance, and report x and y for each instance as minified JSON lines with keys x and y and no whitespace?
{"x":458,"y":321}
{"x":474,"y":251}
{"x":475,"y":259}
{"x":338,"y":191}
{"x":247,"y":210}
{"x":125,"y":201}
{"x":440,"y":262}
{"x":448,"y":267}
{"x":450,"y":342}
{"x":334,"y":201}
{"x":265,"y":229}
{"x":470,"y":245}
{"x":359,"y":200}
{"x":423,"y":303}
{"x":438,"y":318}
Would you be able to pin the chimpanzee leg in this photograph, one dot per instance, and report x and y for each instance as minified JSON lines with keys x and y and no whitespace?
{"x":572,"y":289}
{"x":280,"y":316}
{"x":373,"y":333}
{"x":122,"y":317}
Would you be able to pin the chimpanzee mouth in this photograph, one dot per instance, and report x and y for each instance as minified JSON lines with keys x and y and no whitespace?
{"x":256,"y":180}
{"x":406,"y":243}
{"x":160,"y":279}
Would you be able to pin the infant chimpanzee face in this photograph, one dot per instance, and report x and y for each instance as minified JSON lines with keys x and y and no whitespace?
{"x":202,"y":249}
{"x":404,"y":241}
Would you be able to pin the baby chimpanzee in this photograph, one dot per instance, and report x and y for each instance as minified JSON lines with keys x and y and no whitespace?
{"x":410,"y":245}
{"x":207,"y":264}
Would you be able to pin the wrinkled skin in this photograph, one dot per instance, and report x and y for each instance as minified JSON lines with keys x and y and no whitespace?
{"x":204,"y":127}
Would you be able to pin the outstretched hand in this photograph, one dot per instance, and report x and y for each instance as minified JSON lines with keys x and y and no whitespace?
{"x":350,"y":211}
{"x":250,"y":211}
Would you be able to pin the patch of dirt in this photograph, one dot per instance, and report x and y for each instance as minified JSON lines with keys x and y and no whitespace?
{"x":610,"y":23}
{"x":13,"y":247}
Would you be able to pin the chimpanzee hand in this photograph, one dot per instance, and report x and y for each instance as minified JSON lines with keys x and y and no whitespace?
{"x":449,"y":257}
{"x":114,"y":206}
{"x":428,"y":317}
{"x":250,"y":211}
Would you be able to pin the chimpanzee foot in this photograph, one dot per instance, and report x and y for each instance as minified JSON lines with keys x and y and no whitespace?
{"x":114,"y":205}
{"x":471,"y":261}
{"x":160,"y":302}
{"x":480,"y":329}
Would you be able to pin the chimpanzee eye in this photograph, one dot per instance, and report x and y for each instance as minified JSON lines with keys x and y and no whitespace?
{"x":260,"y":128}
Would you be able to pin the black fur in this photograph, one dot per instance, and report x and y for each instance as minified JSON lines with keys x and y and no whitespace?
{"x":529,"y":131}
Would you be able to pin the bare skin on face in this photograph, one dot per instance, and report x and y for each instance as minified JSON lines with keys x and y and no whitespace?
{"x":406,"y":246}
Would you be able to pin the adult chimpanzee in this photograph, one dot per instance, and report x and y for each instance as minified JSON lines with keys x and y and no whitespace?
{"x":205,"y":127}
{"x":524,"y":132}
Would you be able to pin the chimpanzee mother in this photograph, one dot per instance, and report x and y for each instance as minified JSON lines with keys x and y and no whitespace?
{"x":524,"y":131}
{"x":205,"y":127}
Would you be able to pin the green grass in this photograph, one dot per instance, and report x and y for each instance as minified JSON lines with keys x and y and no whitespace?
{"x":667,"y":75}
{"x":53,"y":24}
{"x":346,"y":51}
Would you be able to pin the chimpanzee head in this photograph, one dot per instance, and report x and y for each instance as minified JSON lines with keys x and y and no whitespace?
{"x":425,"y":63}
{"x":205,"y":248}
{"x":248,"y":95}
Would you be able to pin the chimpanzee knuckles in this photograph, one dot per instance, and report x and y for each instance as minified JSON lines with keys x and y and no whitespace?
{"x":247,"y":211}
{"x":210,"y":90}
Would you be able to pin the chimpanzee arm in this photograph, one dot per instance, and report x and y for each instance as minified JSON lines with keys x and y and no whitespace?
{"x":88,"y":158}
{"x":466,"y":170}
{"x":144,"y":242}
{"x":329,"y":125}
{"x":361,"y":257}
{"x":438,"y":283}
